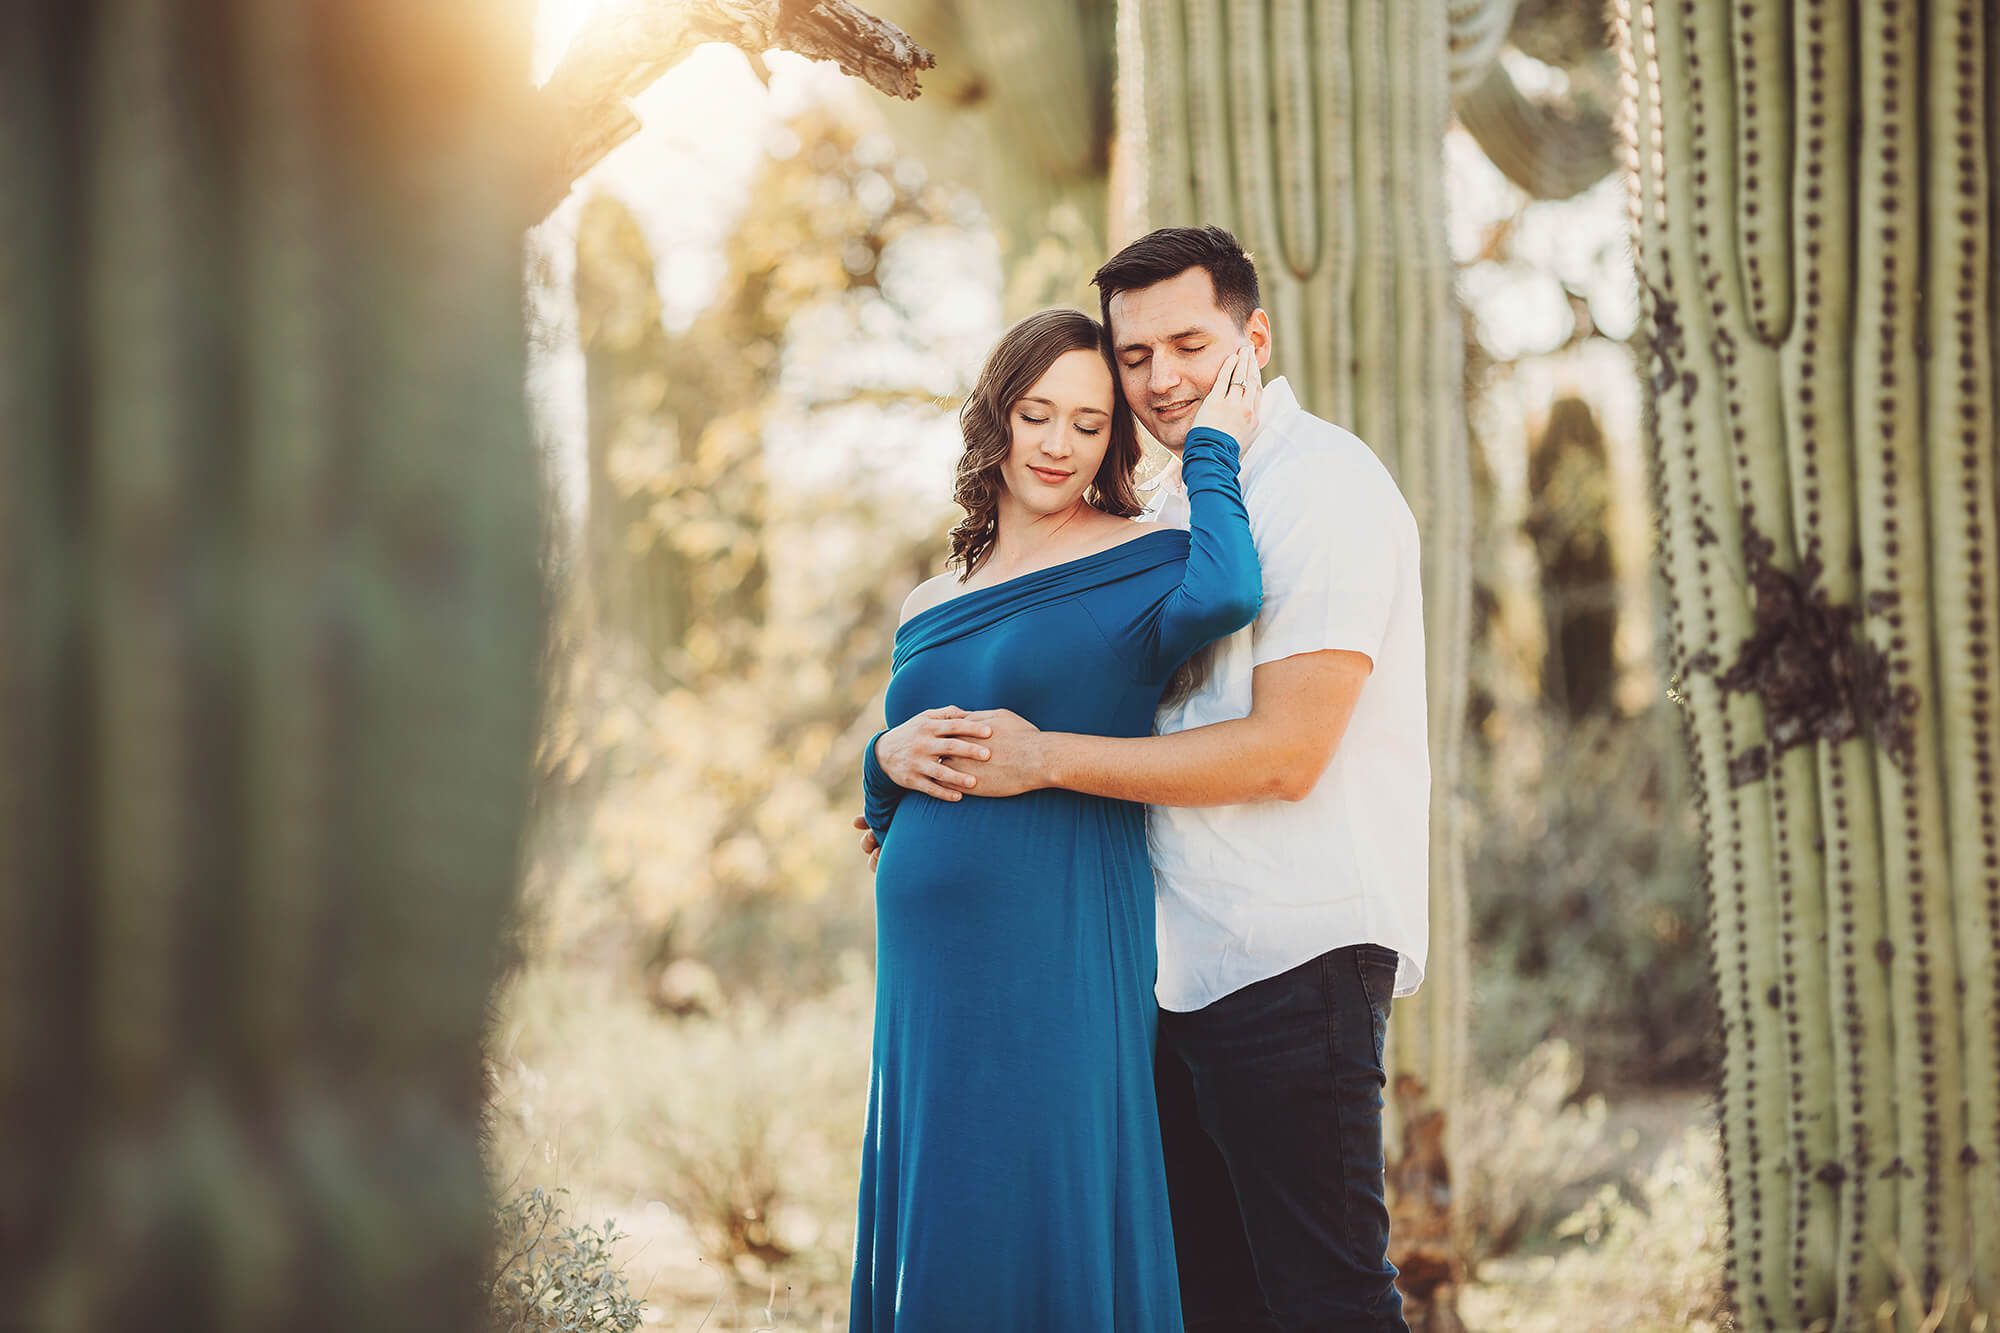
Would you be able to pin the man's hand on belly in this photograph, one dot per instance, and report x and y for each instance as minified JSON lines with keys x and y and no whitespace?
{"x":1015,"y":764}
{"x":914,"y":755}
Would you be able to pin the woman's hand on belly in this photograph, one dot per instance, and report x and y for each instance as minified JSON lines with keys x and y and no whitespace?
{"x":871,"y":846}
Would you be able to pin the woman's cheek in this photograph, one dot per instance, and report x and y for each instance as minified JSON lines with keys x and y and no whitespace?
{"x":1087,"y":468}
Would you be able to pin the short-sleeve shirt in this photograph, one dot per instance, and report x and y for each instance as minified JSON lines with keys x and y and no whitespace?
{"x":1248,"y":891}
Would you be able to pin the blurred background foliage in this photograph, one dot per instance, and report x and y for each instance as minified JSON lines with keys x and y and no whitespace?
{"x":756,"y":444}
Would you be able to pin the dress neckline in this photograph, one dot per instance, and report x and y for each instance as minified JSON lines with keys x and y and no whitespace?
{"x":1033,"y":573}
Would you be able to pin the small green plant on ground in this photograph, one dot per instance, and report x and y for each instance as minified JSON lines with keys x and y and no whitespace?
{"x":553,"y":1274}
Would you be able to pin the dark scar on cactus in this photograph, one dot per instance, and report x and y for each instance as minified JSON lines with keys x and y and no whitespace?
{"x":1665,"y":341}
{"x":1748,"y":766}
{"x":1818,"y":677}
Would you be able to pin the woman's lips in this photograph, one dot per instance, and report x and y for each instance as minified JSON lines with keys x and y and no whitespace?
{"x":1051,"y":477}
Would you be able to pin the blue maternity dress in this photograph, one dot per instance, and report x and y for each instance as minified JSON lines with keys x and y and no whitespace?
{"x":1011,"y":1173}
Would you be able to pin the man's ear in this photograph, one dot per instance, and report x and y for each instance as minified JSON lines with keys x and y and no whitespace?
{"x":1258,"y":330}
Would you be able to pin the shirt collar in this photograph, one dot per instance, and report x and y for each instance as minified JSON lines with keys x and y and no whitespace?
{"x":1278,"y":405}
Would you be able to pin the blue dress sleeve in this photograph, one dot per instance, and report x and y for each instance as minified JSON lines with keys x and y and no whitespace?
{"x":879,"y":793}
{"x":1223,"y":587}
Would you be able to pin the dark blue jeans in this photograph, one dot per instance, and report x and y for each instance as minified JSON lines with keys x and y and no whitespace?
{"x":1271,"y":1117}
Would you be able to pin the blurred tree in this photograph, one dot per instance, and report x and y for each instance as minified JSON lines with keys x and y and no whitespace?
{"x":674,"y":524}
{"x":684,"y":536}
{"x":1815,"y":221}
{"x":1568,"y":502}
{"x":676,"y":527}
{"x":270,"y":620}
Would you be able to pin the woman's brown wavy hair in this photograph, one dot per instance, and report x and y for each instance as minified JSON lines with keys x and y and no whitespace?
{"x":1023,"y":354}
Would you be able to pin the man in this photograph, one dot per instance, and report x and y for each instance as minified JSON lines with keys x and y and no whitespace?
{"x":1288,"y":828}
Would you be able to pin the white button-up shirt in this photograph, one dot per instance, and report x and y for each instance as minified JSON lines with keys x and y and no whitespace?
{"x":1248,"y":891}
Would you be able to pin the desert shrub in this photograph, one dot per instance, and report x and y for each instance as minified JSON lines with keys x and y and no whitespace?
{"x":1529,"y":1153}
{"x":758,"y":1149}
{"x":1652,"y":1261}
{"x":745,"y":1124}
{"x":1586,"y":890}
{"x":1643,"y":1256}
{"x":552,"y":1274}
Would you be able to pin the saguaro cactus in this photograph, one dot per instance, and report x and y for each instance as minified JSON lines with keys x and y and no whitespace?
{"x":1569,"y":488}
{"x":270,"y":619}
{"x":638,"y":577}
{"x":1315,"y":132}
{"x":1812,"y":196}
{"x":1552,"y":147}
{"x":1021,"y":103}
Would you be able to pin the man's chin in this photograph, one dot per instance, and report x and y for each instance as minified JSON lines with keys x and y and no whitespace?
{"x":1172,"y":434}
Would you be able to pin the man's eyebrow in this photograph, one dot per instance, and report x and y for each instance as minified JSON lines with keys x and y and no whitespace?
{"x":1030,"y":398}
{"x":1170,"y":338}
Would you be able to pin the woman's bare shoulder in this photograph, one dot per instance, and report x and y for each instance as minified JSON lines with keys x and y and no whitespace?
{"x":927,"y":595}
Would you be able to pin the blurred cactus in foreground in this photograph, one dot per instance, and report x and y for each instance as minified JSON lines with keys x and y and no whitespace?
{"x":270,"y":621}
{"x":1814,"y":213}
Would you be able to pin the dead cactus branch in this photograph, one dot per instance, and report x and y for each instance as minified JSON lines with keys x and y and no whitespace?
{"x":628,"y":44}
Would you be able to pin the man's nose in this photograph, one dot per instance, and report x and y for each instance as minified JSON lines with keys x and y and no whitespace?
{"x":1164,"y":377}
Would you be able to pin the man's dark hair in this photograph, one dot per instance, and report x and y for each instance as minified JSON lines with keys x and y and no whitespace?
{"x":1171,"y":251}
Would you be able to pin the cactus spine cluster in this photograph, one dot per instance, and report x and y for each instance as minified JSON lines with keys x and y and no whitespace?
{"x":1813,"y":206}
{"x":270,"y":621}
{"x":1314,"y":130}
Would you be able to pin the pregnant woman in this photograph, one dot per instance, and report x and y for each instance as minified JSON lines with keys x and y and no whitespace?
{"x":1011,"y":1174}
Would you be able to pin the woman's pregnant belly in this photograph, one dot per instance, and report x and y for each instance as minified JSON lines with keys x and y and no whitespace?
{"x":1023,"y":926}
{"x":1027,"y":875}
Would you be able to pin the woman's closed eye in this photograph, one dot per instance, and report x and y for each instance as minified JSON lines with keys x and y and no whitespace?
{"x":1079,"y":427}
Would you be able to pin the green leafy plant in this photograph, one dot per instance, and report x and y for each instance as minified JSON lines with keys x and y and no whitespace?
{"x":555,"y":1274}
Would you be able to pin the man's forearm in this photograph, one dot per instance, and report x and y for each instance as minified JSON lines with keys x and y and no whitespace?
{"x":1227,"y":763}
